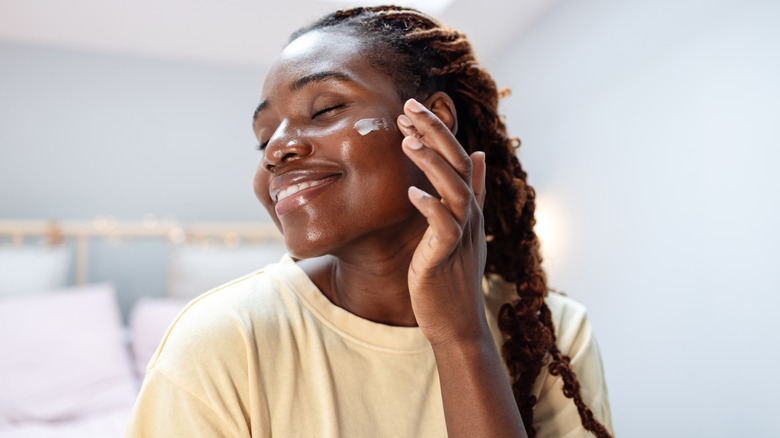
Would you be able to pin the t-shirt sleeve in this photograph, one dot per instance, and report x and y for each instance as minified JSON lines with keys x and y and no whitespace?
{"x":555,"y":415}
{"x":165,"y":409}
{"x":197,"y":383}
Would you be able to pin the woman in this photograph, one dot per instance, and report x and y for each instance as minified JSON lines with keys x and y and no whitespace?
{"x":381,"y":150}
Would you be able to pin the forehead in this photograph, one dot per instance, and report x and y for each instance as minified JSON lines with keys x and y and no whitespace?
{"x":319,"y":51}
{"x":312,"y":46}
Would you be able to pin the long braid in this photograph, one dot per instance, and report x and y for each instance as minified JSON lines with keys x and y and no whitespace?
{"x":434,"y":57}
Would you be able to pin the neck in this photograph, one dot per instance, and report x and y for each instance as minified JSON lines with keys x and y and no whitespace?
{"x":370,"y":284}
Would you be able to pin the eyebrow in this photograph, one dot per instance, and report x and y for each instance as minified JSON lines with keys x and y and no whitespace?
{"x":303,"y":81}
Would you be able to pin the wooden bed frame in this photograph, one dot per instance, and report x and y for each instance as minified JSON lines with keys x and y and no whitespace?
{"x":55,"y":232}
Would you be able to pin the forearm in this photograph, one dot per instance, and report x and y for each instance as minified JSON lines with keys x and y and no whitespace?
{"x":476,"y":392}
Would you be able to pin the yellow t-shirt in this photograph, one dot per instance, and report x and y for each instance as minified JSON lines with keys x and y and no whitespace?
{"x":270,"y":355}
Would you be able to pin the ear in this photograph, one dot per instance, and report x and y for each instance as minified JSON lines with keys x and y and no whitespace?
{"x":441,"y":104}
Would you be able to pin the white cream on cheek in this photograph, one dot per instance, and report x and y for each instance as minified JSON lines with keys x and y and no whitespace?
{"x":365,"y":126}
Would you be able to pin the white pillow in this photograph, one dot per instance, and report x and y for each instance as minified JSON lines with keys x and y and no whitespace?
{"x":193,"y":270}
{"x":149,"y":321}
{"x":62,"y":356}
{"x":33,"y":269}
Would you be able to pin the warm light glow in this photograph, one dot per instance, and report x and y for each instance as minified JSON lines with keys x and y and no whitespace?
{"x":177,"y":235}
{"x":550,"y":227}
{"x":149,"y":221}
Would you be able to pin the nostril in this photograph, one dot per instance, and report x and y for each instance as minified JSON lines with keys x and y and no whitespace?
{"x":287,"y":156}
{"x":270,"y":165}
{"x":284,"y":147}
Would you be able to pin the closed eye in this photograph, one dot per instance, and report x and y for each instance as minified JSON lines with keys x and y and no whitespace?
{"x":327,"y":110}
{"x":263,"y":145}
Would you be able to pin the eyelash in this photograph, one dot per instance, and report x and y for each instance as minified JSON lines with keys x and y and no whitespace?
{"x":262,"y":146}
{"x":330,"y":108}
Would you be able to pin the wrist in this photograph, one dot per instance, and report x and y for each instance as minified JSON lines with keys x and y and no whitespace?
{"x":476,"y":342}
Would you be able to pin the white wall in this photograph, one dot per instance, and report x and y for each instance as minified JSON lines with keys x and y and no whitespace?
{"x":83,"y":135}
{"x":650,"y":130}
{"x":86,"y":134}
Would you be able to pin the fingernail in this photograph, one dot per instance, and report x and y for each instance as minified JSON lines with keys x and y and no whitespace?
{"x":404,"y":121}
{"x":416,"y":193}
{"x":413,"y":143}
{"x":414,"y":106}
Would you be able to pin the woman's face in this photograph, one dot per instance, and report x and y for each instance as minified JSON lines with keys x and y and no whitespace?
{"x":333,"y":174}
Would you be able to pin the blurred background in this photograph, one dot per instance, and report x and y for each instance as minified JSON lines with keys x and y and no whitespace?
{"x":650,"y":131}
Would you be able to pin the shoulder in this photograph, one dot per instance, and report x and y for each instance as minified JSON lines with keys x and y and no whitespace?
{"x":207,"y":362}
{"x":222,"y":321}
{"x":570,"y":319}
{"x":202,"y":364}
{"x":569,"y":316}
{"x":555,"y":414}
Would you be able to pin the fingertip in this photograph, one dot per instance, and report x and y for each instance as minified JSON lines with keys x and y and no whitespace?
{"x":404,"y":122}
{"x":478,"y":161}
{"x":414,"y":106}
{"x":416,"y":193}
{"x":478,"y":176}
{"x":412,"y":142}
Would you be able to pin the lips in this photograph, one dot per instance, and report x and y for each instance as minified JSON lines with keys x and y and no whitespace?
{"x":294,"y":189}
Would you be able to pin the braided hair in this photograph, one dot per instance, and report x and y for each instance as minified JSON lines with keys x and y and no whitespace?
{"x":428,"y":57}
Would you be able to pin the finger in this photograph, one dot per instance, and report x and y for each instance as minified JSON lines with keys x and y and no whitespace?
{"x":478,"y":177}
{"x":406,"y":126}
{"x":432,"y":132}
{"x":456,"y":194}
{"x":443,"y":233}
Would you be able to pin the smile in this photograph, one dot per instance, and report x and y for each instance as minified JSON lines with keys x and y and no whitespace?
{"x":292,"y":194}
{"x":293,"y":189}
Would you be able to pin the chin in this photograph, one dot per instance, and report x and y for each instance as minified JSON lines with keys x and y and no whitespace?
{"x":302,"y":255}
{"x":304,"y":247}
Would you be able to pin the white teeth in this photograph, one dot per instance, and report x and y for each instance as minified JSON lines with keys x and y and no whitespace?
{"x":295,"y":189}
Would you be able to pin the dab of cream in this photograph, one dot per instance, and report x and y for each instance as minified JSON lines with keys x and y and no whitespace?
{"x":364,"y":126}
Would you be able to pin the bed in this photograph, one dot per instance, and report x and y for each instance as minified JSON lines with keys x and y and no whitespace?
{"x":70,"y":364}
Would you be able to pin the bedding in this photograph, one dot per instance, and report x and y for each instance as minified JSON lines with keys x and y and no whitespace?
{"x":63,"y":356}
{"x":109,"y":424}
{"x":31,"y":269}
{"x":66,"y":369}
{"x":149,"y":321}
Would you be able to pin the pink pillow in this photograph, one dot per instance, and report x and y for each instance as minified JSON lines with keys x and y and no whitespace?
{"x":62,"y":356}
{"x":149,"y":321}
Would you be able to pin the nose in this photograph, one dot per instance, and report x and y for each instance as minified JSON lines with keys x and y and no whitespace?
{"x":286,"y":144}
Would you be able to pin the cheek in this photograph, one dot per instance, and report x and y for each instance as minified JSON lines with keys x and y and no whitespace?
{"x":371,"y":141}
{"x":261,"y":183}
{"x":354,"y":137}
